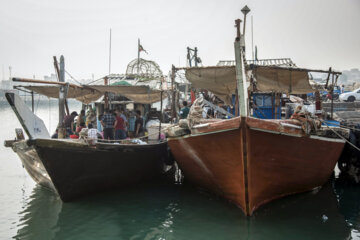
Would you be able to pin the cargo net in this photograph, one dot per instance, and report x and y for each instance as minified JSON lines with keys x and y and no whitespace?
{"x":143,"y":69}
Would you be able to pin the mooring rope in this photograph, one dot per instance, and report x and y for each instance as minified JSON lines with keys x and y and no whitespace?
{"x":351,"y":144}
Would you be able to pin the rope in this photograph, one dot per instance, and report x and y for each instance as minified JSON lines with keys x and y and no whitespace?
{"x":73,"y":78}
{"x":94,"y":81}
{"x":351,"y":144}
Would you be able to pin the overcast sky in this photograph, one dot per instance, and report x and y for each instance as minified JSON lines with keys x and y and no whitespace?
{"x":314,"y":33}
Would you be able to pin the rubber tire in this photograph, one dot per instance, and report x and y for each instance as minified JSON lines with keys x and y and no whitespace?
{"x":351,"y":99}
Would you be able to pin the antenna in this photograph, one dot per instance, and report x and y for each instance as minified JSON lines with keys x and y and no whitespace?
{"x":252,"y":38}
{"x":110,"y":54}
{"x":138,"y":61}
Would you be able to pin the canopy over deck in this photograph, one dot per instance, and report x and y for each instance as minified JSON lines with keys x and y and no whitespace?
{"x":91,"y":93}
{"x":85,"y":95}
{"x":221,"y":80}
{"x":286,"y":80}
{"x":139,"y":94}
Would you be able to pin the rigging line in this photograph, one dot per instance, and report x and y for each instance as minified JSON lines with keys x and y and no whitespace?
{"x":94,"y":81}
{"x":72,"y":77}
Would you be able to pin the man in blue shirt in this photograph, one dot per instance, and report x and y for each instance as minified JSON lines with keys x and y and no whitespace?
{"x":107,"y":122}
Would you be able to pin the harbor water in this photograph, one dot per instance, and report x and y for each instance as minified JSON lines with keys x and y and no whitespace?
{"x":162,"y":211}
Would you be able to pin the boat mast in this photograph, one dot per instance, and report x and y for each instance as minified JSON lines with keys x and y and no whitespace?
{"x":56,"y":65}
{"x":240,"y":73}
{"x":110,"y":54}
{"x":61,"y":127}
{"x":239,"y":46}
{"x":173,"y":102}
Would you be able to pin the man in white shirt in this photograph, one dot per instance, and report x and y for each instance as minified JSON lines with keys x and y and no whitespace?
{"x":92,"y":134}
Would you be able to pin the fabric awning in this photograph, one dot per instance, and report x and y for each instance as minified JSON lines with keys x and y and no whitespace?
{"x":220,"y":80}
{"x":91,"y":93}
{"x":138,"y":94}
{"x":85,"y":95}
{"x":285,"y":80}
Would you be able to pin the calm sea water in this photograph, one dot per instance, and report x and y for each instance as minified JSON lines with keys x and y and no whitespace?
{"x":27,"y":211}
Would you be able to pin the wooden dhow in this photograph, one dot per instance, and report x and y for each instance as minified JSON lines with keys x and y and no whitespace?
{"x":251,"y":161}
{"x":75,"y":168}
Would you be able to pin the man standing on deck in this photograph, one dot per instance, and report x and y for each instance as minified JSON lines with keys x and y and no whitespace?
{"x":139,"y":122}
{"x":126,"y":123}
{"x":119,"y":126}
{"x":107,"y":122}
{"x":184,"y":111}
{"x":69,"y":123}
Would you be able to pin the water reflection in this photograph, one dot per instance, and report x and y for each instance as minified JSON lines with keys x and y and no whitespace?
{"x":39,"y":216}
{"x":168,"y":212}
{"x":348,"y":196}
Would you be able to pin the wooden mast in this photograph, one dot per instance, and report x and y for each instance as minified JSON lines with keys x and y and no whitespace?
{"x":56,"y":65}
{"x":173,"y":102}
{"x":27,"y":80}
{"x":61,"y":127}
{"x":161,"y":106}
{"x":240,"y":72}
{"x":106,"y":96}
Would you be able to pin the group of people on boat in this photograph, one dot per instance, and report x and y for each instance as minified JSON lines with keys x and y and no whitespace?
{"x":111,"y":125}
{"x":115,"y":124}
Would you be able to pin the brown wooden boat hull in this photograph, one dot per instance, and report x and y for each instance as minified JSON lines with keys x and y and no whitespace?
{"x":75,"y":170}
{"x":251,"y":161}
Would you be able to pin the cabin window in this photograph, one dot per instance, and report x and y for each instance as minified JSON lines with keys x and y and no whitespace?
{"x":259,"y":101}
{"x":267,"y":101}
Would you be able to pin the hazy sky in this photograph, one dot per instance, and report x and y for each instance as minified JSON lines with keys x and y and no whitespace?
{"x":314,"y":33}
